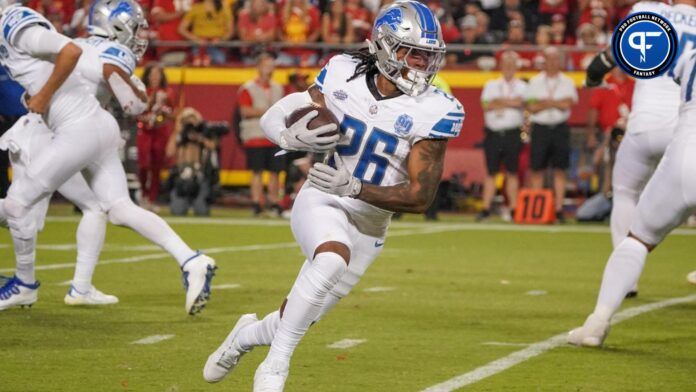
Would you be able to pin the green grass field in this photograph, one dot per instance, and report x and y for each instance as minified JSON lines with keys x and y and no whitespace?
{"x":457,"y":297}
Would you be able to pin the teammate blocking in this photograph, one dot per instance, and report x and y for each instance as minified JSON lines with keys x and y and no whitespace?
{"x":394,"y":130}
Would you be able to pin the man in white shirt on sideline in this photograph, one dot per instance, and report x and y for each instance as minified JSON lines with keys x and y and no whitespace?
{"x":550,"y":96}
{"x":502,"y":101}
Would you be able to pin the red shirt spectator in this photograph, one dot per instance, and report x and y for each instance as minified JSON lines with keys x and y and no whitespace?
{"x":361,"y":19}
{"x":609,"y":99}
{"x":299,"y":23}
{"x":550,"y":7}
{"x":257,"y":22}
{"x":166,"y":16}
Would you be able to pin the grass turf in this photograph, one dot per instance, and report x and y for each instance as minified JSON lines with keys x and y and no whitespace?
{"x":454,"y":290}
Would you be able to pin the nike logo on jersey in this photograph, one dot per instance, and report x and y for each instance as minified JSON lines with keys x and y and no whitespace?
{"x":378,"y":244}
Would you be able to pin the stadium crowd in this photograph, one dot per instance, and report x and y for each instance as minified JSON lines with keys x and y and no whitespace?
{"x":233,"y":31}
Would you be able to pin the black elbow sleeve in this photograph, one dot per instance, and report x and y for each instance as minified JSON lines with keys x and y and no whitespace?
{"x":601,"y":65}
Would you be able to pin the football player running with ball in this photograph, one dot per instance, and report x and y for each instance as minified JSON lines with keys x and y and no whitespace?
{"x":394,"y":128}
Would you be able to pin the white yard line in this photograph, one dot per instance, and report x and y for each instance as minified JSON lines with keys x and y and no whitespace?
{"x":506,"y":344}
{"x":225,"y":286}
{"x":346,"y":343}
{"x":153,"y":339}
{"x":538,"y":348}
{"x":223,"y":249}
{"x":378,"y":289}
{"x":536,"y":293}
{"x":397,"y":225}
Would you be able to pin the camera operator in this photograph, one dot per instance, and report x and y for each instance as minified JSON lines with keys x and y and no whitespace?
{"x":194,"y":147}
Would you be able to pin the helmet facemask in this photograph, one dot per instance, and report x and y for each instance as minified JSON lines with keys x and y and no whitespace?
{"x":407,"y":54}
{"x":412,"y":79}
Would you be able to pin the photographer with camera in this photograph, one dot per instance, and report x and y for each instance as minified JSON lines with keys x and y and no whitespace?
{"x":194,"y":145}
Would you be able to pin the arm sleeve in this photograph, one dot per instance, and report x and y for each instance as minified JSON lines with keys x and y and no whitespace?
{"x":38,"y":41}
{"x":123,"y":92}
{"x":273,"y":121}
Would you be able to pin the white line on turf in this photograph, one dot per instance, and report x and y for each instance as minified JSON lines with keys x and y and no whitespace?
{"x":396,"y":225}
{"x":378,"y":289}
{"x":66,"y":283}
{"x":226,"y":249}
{"x":502,"y":364}
{"x":153,"y":339}
{"x":505,"y":344}
{"x":225,"y":286}
{"x":536,"y":293}
{"x":347,"y":343}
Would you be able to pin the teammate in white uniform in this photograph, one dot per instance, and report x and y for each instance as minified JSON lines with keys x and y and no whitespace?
{"x":86,"y":137}
{"x":652,"y":120}
{"x":668,"y":200}
{"x":394,"y":132}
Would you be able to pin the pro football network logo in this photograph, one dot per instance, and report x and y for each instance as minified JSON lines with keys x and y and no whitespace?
{"x":644,"y":45}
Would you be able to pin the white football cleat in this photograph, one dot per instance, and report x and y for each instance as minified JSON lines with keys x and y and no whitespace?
{"x":691,"y":277}
{"x":91,"y":297}
{"x":17,"y":293}
{"x":591,"y":334}
{"x":197,"y":273}
{"x":271,"y":375}
{"x":226,"y":357}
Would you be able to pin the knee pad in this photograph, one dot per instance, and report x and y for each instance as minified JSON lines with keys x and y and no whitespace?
{"x":119,"y":212}
{"x":21,"y":223}
{"x":349,"y":279}
{"x":326,"y":271}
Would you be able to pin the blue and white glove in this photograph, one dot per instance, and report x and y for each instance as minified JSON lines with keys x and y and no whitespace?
{"x":336,"y":181}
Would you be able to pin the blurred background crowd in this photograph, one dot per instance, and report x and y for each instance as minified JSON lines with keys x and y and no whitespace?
{"x":307,"y":32}
{"x":175,"y":154}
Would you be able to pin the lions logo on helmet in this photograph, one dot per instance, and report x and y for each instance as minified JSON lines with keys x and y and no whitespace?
{"x":119,"y":20}
{"x":403,"y":30}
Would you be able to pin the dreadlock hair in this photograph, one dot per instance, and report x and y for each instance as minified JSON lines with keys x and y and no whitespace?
{"x":367,"y":64}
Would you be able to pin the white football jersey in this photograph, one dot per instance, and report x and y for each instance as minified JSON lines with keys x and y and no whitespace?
{"x":685,"y":76}
{"x":660,"y":96}
{"x":72,"y":100}
{"x":97,"y":51}
{"x":377,"y":132}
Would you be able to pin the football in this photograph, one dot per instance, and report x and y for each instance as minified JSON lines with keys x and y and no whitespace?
{"x":324,"y":117}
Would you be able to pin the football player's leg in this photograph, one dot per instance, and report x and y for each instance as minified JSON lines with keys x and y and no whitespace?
{"x":108,"y":181}
{"x":90,"y":240}
{"x":632,"y":170}
{"x":657,"y":213}
{"x":365,"y":251}
{"x":323,"y":231}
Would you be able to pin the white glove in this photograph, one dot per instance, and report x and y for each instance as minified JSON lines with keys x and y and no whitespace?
{"x":336,"y":181}
{"x":298,"y":137}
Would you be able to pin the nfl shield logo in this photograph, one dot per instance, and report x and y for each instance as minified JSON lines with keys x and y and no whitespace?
{"x":403,"y":124}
